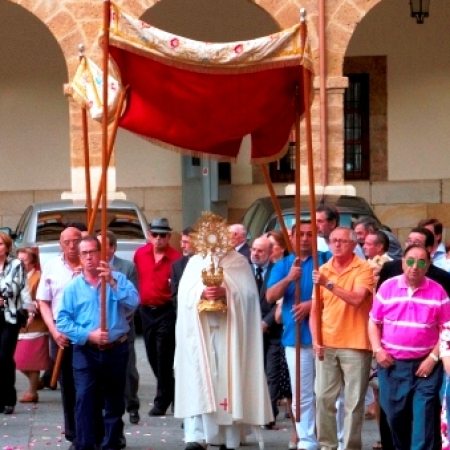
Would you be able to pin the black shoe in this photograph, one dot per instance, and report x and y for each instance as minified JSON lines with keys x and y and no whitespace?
{"x":122,"y":442}
{"x":194,"y":446}
{"x":134,"y":417}
{"x":44,"y":382}
{"x":155,"y":411}
{"x":268,"y":426}
{"x":8,"y":410}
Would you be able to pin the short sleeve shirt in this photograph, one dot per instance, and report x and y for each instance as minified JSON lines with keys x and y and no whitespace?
{"x":343,"y":325}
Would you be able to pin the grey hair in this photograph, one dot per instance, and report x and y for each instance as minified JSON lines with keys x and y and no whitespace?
{"x":351,"y":233}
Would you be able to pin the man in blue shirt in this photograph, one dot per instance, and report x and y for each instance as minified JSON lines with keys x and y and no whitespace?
{"x":99,"y":357}
{"x":283,"y":277}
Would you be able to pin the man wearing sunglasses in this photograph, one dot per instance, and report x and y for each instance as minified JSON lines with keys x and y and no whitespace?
{"x":424,"y":237}
{"x":405,"y":321}
{"x":154,"y":264}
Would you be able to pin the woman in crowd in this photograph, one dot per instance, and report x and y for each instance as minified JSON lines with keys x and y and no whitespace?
{"x":279,"y":247}
{"x":32,"y":352}
{"x":14,"y":299}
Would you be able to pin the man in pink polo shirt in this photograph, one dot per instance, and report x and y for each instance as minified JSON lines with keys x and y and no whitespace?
{"x":404,"y":326}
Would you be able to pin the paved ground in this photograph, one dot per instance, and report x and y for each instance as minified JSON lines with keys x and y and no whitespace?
{"x":40,"y":426}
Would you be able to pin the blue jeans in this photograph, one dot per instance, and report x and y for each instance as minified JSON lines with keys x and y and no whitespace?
{"x":105,"y":372}
{"x":410,"y":403}
{"x":446,"y":393}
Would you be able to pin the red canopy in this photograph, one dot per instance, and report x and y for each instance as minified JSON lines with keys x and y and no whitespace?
{"x":205,"y":97}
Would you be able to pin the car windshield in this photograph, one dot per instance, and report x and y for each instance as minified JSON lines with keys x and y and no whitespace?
{"x":124,"y":224}
{"x":346,"y":220}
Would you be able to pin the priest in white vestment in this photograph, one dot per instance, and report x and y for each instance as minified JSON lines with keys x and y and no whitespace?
{"x":220,"y":383}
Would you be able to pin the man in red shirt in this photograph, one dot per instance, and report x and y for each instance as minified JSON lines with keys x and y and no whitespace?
{"x":154,"y":264}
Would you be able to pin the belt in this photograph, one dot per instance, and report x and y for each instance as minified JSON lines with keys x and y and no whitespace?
{"x":162,"y":307}
{"x":109,"y":345}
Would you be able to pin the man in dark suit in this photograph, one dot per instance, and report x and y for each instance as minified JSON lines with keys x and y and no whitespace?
{"x":424,"y":237}
{"x":239,"y":236}
{"x":260,"y":258}
{"x":179,"y":265}
{"x":132,"y":381}
{"x":421,"y":236}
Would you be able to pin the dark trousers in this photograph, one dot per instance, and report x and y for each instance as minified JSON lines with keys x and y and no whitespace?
{"x":385,"y":432}
{"x":409,"y":403}
{"x":99,"y":376}
{"x":67,"y":386}
{"x":132,"y":382}
{"x":8,"y":341}
{"x":158,"y":329}
{"x":272,"y":365}
{"x":386,"y":435}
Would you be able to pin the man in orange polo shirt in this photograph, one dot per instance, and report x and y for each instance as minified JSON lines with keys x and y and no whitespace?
{"x":346,"y":286}
{"x":154,"y":264}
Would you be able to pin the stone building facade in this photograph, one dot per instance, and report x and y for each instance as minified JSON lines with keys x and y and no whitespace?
{"x":400,"y":198}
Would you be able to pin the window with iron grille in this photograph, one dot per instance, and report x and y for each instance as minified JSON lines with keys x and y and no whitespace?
{"x":356,"y":128}
{"x":283,"y":170}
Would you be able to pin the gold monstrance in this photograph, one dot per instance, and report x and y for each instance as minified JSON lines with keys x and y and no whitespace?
{"x":211,"y":239}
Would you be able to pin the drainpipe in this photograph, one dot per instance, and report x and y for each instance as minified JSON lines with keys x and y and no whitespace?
{"x":323,"y":96}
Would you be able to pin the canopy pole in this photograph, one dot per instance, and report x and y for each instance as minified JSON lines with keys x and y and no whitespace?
{"x":112,"y":139}
{"x":106,"y":23}
{"x":276,"y":205}
{"x":56,"y":367}
{"x":297,"y":249}
{"x":87,"y":172}
{"x":312,"y":195}
{"x":90,"y":213}
{"x":323,"y":94}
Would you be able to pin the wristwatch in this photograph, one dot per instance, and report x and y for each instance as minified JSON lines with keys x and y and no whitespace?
{"x":329,"y":285}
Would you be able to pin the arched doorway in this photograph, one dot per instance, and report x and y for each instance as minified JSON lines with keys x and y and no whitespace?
{"x":34,"y":131}
{"x":407,"y":68}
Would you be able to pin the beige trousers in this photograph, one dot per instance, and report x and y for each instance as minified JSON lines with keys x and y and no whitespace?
{"x":348,"y":368}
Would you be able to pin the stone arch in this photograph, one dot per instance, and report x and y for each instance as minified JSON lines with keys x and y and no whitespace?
{"x":32,"y":106}
{"x":342,"y":19}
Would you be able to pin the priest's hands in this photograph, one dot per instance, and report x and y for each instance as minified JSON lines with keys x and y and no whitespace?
{"x":214,"y":292}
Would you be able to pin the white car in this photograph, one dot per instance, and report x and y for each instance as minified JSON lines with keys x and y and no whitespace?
{"x":41,"y":225}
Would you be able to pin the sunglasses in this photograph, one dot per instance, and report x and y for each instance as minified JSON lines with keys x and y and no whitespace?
{"x":161,"y":235}
{"x":421,"y":263}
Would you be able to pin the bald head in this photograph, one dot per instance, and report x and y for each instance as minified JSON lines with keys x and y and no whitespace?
{"x":261,"y":251}
{"x":69,"y":240}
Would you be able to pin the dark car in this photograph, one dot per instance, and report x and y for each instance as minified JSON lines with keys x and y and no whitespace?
{"x":261,"y":216}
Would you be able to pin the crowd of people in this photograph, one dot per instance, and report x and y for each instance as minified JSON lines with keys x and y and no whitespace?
{"x":373,"y":322}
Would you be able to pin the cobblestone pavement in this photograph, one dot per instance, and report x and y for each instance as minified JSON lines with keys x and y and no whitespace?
{"x":40,"y":426}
